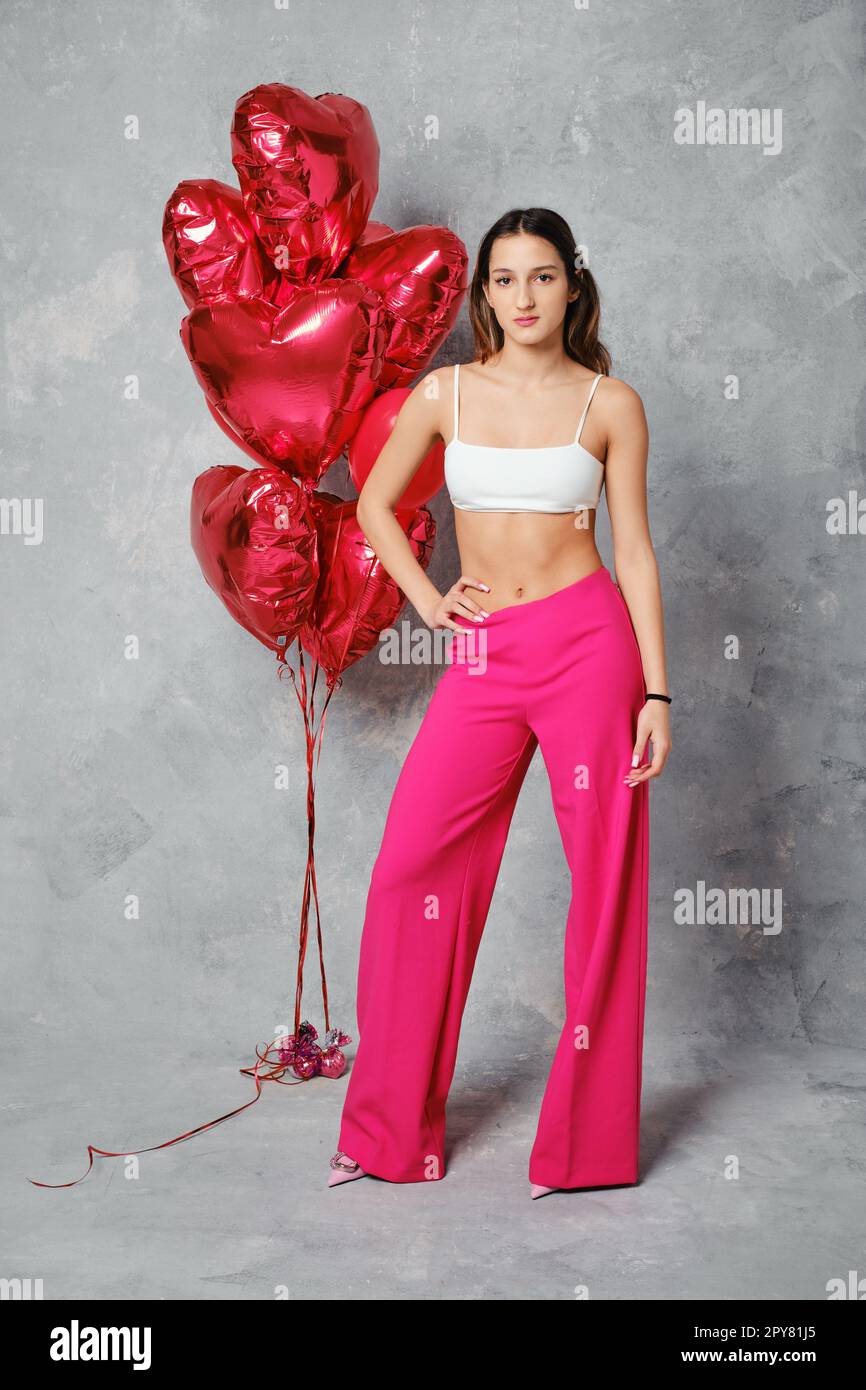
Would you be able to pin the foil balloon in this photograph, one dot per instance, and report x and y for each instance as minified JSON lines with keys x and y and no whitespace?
{"x":373,"y":231}
{"x":255,"y":538}
{"x":379,"y":420}
{"x":420,"y":275}
{"x":232,"y":434}
{"x":356,"y":598}
{"x":211,"y":246}
{"x":291,"y":382}
{"x":308,"y":168}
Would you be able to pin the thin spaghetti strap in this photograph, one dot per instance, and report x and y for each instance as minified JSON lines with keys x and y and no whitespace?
{"x":456,"y":398}
{"x":586,"y":407}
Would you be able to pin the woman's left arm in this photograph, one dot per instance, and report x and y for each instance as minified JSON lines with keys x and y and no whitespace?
{"x":635,"y":565}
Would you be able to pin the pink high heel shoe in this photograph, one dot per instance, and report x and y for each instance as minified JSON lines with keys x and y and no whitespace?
{"x":536,"y":1190}
{"x":344,"y":1171}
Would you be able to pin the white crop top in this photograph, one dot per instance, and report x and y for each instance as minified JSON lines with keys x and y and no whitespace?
{"x":490,"y":478}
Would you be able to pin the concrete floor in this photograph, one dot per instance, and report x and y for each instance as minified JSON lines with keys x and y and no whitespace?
{"x":243,"y":1211}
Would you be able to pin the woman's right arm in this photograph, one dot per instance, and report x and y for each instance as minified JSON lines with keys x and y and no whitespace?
{"x":417,"y":428}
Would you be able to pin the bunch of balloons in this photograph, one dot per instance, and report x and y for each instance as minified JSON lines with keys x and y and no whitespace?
{"x":306,"y":324}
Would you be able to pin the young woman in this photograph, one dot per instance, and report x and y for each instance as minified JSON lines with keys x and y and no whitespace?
{"x":550,"y":651}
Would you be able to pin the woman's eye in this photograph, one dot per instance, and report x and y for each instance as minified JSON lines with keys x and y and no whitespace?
{"x":503,"y":279}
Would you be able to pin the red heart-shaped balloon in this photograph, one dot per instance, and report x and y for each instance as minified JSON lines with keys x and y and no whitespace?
{"x":308,"y":168}
{"x":420,"y":275}
{"x":255,"y":538}
{"x":232,"y":434}
{"x":373,"y":434}
{"x":292,"y":382}
{"x":373,"y":231}
{"x":211,"y":246}
{"x":355,"y":598}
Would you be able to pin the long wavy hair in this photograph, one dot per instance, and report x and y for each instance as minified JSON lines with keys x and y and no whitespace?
{"x":582,"y":316}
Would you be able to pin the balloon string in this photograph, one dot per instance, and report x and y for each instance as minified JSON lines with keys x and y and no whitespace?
{"x":313,"y":736}
{"x":302,"y":697}
{"x":311,"y":822}
{"x":310,"y":873}
{"x":276,"y":1072}
{"x":305,"y":899}
{"x":314,"y":739}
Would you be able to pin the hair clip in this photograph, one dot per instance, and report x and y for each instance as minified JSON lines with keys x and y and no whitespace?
{"x":579,"y":259}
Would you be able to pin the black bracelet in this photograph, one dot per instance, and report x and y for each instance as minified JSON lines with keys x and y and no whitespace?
{"x":666,"y":698}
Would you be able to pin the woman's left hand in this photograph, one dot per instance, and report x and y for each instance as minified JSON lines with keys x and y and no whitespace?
{"x":654,"y":724}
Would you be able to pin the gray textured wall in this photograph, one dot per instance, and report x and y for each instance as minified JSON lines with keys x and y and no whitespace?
{"x":155,"y":776}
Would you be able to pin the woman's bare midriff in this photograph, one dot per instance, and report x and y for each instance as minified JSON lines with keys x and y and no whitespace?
{"x":524,"y":555}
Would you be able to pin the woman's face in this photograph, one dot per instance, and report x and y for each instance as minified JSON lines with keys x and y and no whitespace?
{"x":528,"y":288}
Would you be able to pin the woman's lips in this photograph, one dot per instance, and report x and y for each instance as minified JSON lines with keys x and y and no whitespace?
{"x":532,"y":319}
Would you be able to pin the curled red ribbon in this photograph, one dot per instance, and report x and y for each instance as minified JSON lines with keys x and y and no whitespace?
{"x":277,"y":1069}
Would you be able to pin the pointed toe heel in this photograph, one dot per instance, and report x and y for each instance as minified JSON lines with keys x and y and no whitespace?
{"x":344,"y":1169}
{"x":536,"y":1190}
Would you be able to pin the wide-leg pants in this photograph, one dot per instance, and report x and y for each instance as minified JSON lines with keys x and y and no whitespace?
{"x":563,"y":672}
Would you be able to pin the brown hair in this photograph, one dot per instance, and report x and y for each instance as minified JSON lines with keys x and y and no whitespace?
{"x":580,"y":327}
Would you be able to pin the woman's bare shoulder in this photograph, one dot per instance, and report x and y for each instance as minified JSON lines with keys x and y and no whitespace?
{"x":620,"y":397}
{"x":618,"y":390}
{"x":430,"y":399}
{"x":439,"y":381}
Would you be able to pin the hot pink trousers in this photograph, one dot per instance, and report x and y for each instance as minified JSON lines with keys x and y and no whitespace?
{"x":563,"y":672}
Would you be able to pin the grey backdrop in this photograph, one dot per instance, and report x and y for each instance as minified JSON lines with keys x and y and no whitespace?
{"x":155,"y":776}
